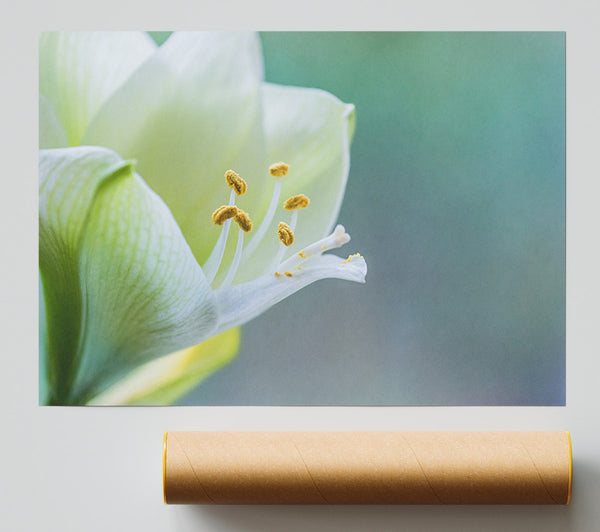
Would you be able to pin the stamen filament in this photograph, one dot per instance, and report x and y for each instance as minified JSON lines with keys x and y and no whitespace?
{"x":337,"y":239}
{"x":236,"y":260}
{"x":294,"y":220}
{"x":264,"y":226}
{"x":283,"y":247}
{"x":213,"y":263}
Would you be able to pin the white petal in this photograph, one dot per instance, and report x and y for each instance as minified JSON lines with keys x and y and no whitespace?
{"x":80,"y":69}
{"x":240,"y":303}
{"x":121,"y":285}
{"x":189,"y":114}
{"x":310,"y":130}
{"x":51,"y":133}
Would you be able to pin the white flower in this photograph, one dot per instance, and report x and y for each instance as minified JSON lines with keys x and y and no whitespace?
{"x":135,"y":141}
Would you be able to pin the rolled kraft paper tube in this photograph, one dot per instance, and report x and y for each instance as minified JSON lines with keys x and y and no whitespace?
{"x":367,"y":467}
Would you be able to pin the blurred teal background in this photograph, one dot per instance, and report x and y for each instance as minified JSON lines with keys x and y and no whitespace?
{"x":456,"y":198}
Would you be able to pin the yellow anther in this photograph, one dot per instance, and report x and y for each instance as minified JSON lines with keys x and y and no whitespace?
{"x":277,"y":274}
{"x":285,"y":233}
{"x":235,"y":182}
{"x":296,"y":202}
{"x":243,"y":220}
{"x":224,"y":213}
{"x":278,"y":169}
{"x":288,"y":274}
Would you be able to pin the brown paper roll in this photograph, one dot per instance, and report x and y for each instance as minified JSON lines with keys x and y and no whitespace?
{"x":367,"y":467}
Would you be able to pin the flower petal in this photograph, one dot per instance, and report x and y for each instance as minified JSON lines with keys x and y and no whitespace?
{"x":120,"y":283}
{"x":310,"y":130}
{"x":42,"y":341}
{"x":165,"y":380}
{"x":189,"y":114}
{"x":51,"y":133}
{"x":80,"y":69}
{"x":240,"y":303}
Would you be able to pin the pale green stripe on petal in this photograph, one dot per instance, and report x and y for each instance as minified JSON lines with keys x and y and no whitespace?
{"x":310,"y":130}
{"x":79,"y":70}
{"x":189,"y":114}
{"x":120,"y":283}
{"x":166,"y":379}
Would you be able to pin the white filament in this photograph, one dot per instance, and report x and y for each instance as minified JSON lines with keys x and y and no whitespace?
{"x":337,"y":239}
{"x":266,"y":222}
{"x":236,"y":260}
{"x":283,"y":247}
{"x":213,"y":263}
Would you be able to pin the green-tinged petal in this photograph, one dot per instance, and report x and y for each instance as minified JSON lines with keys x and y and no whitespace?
{"x":165,"y":380}
{"x":243,"y":302}
{"x":310,"y":130}
{"x":51,"y":133}
{"x":187,"y":115}
{"x":42,"y":376}
{"x":120,"y":283}
{"x":64,"y":205}
{"x":80,"y":69}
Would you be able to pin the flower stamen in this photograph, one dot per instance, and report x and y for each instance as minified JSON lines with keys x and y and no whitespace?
{"x":236,"y":259}
{"x":285,"y":233}
{"x":243,"y":220}
{"x":296,"y":202}
{"x":213,"y":263}
{"x":235,"y":182}
{"x":282,"y":246}
{"x":337,"y":239}
{"x":224,"y":213}
{"x":277,"y":170}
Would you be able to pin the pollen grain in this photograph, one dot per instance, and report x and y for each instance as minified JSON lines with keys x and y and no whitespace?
{"x":296,"y":202}
{"x":235,"y":182}
{"x":278,"y":169}
{"x":223,"y":213}
{"x":350,"y":257}
{"x":243,"y":220}
{"x":285,"y":233}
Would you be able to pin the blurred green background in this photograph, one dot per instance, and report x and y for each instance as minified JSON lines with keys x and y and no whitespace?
{"x":456,"y":198}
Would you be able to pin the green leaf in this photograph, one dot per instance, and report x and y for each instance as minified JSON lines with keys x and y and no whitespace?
{"x":121,"y":285}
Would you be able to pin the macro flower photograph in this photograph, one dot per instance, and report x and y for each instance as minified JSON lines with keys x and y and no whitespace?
{"x":301,"y":218}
